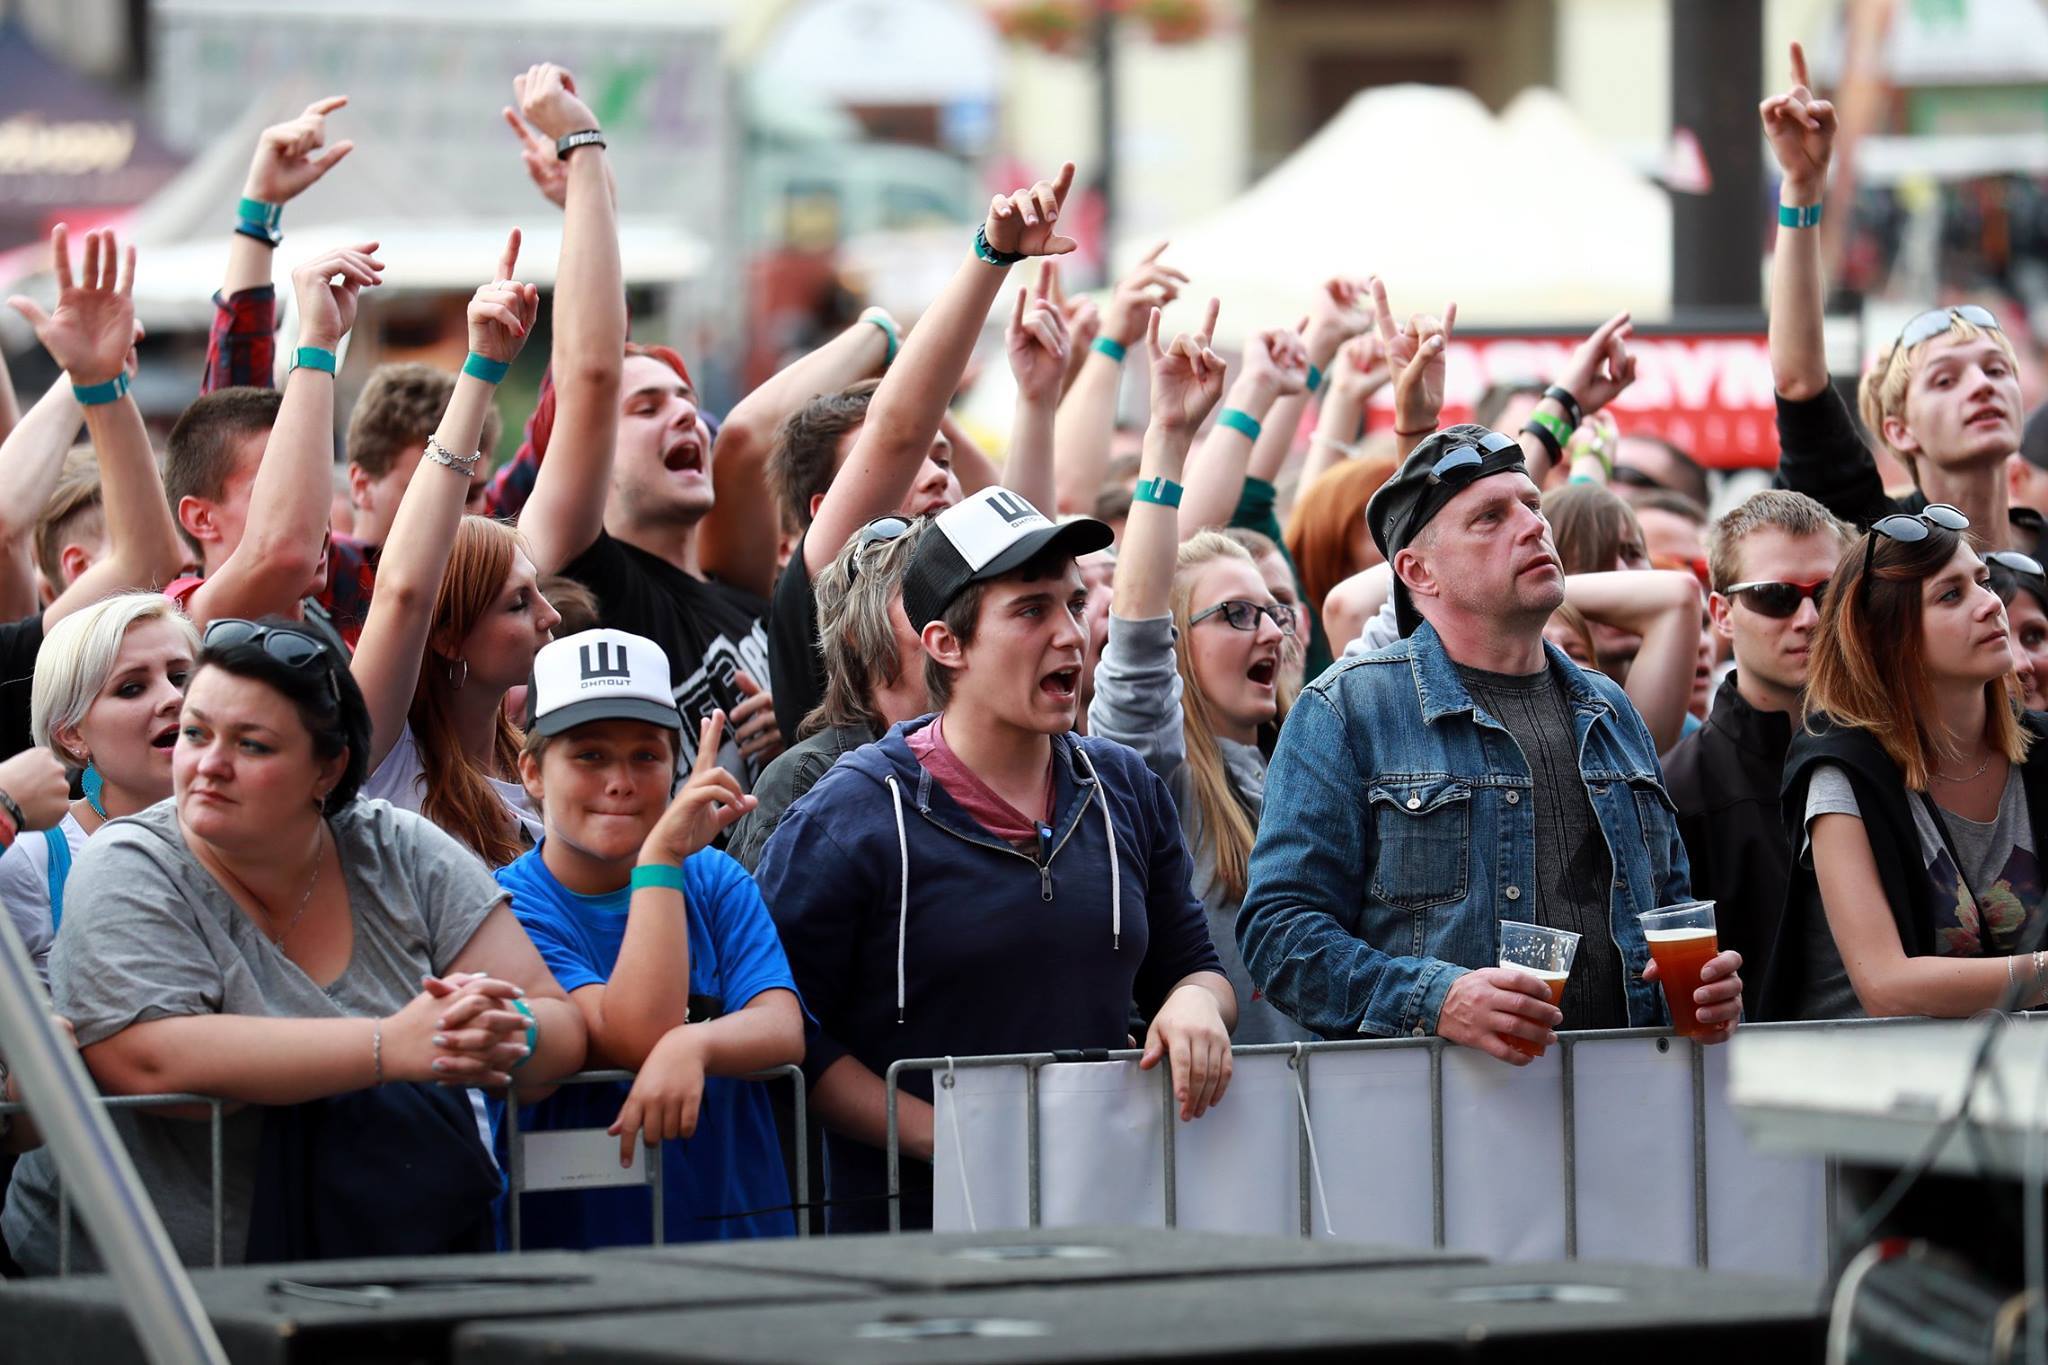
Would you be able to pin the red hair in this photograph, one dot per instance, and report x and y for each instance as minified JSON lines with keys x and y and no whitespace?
{"x":541,"y":425}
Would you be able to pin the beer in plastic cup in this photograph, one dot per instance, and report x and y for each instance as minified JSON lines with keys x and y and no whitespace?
{"x":1682,"y":939}
{"x":1543,"y":953}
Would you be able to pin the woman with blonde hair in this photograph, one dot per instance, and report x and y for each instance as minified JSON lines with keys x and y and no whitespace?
{"x":1915,"y":794}
{"x":108,"y":683}
{"x":1192,"y":669}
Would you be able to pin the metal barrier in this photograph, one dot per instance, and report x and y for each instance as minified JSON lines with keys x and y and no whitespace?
{"x":514,"y":1145}
{"x":1300,"y":1057}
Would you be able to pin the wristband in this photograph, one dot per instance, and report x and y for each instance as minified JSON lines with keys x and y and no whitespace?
{"x":94,"y":395}
{"x":1547,"y":435}
{"x":1563,"y":397}
{"x":1110,"y":347}
{"x":1237,"y":419}
{"x":1161,"y":491}
{"x":1315,"y":379}
{"x":879,"y":317}
{"x":254,"y":218}
{"x":1799,"y":215}
{"x":989,"y":253}
{"x":662,"y":876}
{"x":313,"y":358}
{"x":589,"y":137}
{"x":484,"y":368}
{"x":12,"y":809}
{"x":532,"y":1034}
{"x":1560,"y":435}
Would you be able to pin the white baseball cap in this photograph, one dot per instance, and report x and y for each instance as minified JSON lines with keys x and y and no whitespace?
{"x":600,"y":675}
{"x":985,"y":536}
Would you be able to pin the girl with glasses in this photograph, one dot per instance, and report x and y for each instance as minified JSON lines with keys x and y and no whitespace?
{"x":1916,"y":795}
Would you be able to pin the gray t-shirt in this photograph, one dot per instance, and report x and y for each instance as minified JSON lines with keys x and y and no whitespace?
{"x":149,"y":934}
{"x":1985,"y":906}
{"x":1573,"y":870}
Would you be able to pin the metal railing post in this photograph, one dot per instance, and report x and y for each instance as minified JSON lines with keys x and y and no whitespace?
{"x":895,"y":1154}
{"x":1298,"y":1064}
{"x":1169,"y":1178}
{"x":800,"y":1115}
{"x":1571,"y":1150}
{"x":1436,"y":1142}
{"x":1699,"y":1155}
{"x":515,"y":1159}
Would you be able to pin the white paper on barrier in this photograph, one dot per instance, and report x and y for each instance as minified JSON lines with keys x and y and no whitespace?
{"x":1503,"y":1156}
{"x":1633,"y":1150}
{"x":1100,"y":1146}
{"x":1236,"y":1168}
{"x":987,"y":1105}
{"x":1370,"y":1111}
{"x":1767,"y":1211}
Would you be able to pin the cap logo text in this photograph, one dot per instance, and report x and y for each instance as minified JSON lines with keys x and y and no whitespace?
{"x":1012,"y":508}
{"x":598,"y":663}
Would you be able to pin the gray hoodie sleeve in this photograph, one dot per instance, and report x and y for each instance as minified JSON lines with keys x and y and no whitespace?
{"x":1381,"y":631}
{"x":1137,"y":693}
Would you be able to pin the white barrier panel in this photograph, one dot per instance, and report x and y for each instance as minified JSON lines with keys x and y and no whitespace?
{"x":1610,"y":1148}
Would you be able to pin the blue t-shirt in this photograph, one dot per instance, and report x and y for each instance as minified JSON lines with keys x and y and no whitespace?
{"x":734,"y":1163}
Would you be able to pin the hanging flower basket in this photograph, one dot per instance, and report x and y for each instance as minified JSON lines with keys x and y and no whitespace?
{"x":1058,"y":26}
{"x":1172,"y":21}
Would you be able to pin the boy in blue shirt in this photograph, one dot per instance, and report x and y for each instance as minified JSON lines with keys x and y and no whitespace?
{"x":647,"y":927}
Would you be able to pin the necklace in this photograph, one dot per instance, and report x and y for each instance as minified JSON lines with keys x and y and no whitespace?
{"x":319,"y":850}
{"x":1939,"y":776}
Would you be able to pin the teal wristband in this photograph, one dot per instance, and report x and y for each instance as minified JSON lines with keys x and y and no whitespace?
{"x":877,"y":317}
{"x":95,"y":395}
{"x":1799,"y":215}
{"x":1110,"y":347}
{"x":658,"y":875}
{"x":484,"y":368}
{"x":313,"y":358}
{"x":1161,"y":491}
{"x":1315,"y":379}
{"x":532,"y":1034}
{"x":254,"y":218}
{"x":1237,"y":419}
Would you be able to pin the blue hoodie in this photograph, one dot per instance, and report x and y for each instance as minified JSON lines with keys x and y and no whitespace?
{"x":914,"y":932}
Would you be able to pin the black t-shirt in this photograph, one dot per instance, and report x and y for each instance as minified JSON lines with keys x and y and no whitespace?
{"x":20,"y":641}
{"x":796,"y":652}
{"x":709,"y":630}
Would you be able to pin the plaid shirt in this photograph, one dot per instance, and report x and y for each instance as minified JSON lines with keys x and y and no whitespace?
{"x":241,"y":350}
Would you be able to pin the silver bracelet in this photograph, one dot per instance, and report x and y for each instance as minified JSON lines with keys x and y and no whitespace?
{"x":377,"y":1051}
{"x":1349,"y":449}
{"x":465,"y":465}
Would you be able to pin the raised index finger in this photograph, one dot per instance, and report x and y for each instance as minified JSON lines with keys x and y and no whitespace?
{"x":709,"y":736}
{"x":1382,"y":312}
{"x":508,"y":262}
{"x":1209,"y":322}
{"x":1799,"y":66}
{"x":1064,"y":183}
{"x":324,"y":106}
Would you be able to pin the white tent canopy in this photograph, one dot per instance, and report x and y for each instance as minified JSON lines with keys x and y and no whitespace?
{"x":1521,"y":220}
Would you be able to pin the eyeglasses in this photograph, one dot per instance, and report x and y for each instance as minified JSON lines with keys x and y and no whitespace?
{"x":2011,"y":571}
{"x":1778,"y":600}
{"x":1935,"y":321}
{"x":880,"y":531}
{"x":290,"y":646}
{"x":1240,"y":615}
{"x":1909,"y":528}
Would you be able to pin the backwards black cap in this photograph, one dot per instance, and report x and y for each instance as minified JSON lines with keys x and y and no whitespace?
{"x":1435,"y":472}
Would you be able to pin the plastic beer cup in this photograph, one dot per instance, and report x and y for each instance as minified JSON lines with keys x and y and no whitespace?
{"x":1682,"y":939}
{"x":1545,"y":954}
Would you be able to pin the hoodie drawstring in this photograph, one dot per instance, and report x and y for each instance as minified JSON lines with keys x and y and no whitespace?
{"x":902,"y":892}
{"x":1116,"y":881}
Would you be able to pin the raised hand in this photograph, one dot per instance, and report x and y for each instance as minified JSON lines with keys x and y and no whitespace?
{"x":1149,"y":285}
{"x":1276,"y":364}
{"x":1602,"y":366}
{"x":1036,"y":339}
{"x":548,"y":99}
{"x":1341,"y":311}
{"x":93,"y":330}
{"x":1021,"y":224}
{"x":1415,"y":354}
{"x":1801,"y":131}
{"x":289,"y":155}
{"x":1187,"y":376}
{"x":501,"y":313}
{"x":549,"y":173}
{"x":753,"y":721}
{"x":1083,"y":319}
{"x":327,"y":287}
{"x":709,"y":801}
{"x":1360,"y":369}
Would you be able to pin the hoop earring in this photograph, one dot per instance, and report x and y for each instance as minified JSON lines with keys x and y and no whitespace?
{"x":455,"y":679}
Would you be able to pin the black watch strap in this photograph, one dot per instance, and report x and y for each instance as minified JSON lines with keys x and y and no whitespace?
{"x":589,"y":137}
{"x":13,"y":809}
{"x":1570,"y":404}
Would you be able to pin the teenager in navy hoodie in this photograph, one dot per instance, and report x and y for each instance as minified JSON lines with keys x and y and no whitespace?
{"x":985,"y":880}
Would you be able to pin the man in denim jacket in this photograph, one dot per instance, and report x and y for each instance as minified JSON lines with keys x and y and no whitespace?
{"x":1467,"y":774}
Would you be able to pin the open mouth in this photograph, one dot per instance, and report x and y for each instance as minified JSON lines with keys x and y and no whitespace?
{"x":1990,"y":417}
{"x":1263,"y":672}
{"x":164,"y":738}
{"x":1061,"y":684}
{"x":684,"y":457}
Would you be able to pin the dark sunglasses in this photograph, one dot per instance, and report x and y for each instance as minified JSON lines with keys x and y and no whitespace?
{"x":1461,"y":463}
{"x":1910,"y":528}
{"x":1240,"y":615}
{"x":1778,"y":600}
{"x":1935,"y":321}
{"x":880,"y":531}
{"x":290,"y":646}
{"x":2012,"y":571}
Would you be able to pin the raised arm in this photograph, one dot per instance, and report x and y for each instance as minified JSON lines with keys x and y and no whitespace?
{"x":1087,"y":416}
{"x":1275,"y":366}
{"x":1342,"y":310}
{"x":394,"y":641}
{"x":31,"y":460}
{"x":1036,"y":341}
{"x":1358,"y":372}
{"x":1416,"y":357}
{"x":1801,"y":131}
{"x":1662,"y":606}
{"x":10,"y":406}
{"x":912,"y":399}
{"x":565,"y":515}
{"x":273,"y":566}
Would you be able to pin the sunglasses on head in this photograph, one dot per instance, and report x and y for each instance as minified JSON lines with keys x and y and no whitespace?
{"x":880,"y":531}
{"x":1935,"y":321}
{"x":290,"y":646}
{"x":1241,"y":615}
{"x":1778,"y":599}
{"x":1909,"y":528}
{"x":2011,"y":571}
{"x":1462,"y":463}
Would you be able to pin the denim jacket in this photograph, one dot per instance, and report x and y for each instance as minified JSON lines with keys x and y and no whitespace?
{"x":1396,"y":833}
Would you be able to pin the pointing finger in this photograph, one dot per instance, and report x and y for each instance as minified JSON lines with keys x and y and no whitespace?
{"x":1064,"y":182}
{"x":322,"y":107}
{"x":1209,"y":322}
{"x":508,"y":263}
{"x":1799,"y":66}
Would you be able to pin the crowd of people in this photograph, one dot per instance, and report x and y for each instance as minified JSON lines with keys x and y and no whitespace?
{"x":697,"y":748}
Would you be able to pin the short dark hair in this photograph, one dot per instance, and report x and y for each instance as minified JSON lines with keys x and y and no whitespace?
{"x":398,"y":409}
{"x":201,"y":453}
{"x":962,"y":615}
{"x":573,"y":601}
{"x":806,"y":451}
{"x":323,"y":692}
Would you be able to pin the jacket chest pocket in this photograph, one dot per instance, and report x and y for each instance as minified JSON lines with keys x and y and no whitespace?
{"x":1656,"y":819}
{"x":1423,"y":831}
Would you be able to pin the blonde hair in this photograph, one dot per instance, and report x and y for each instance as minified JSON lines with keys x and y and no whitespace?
{"x":1881,"y":393}
{"x":78,"y":656}
{"x":858,"y":638}
{"x":1226,"y":820}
